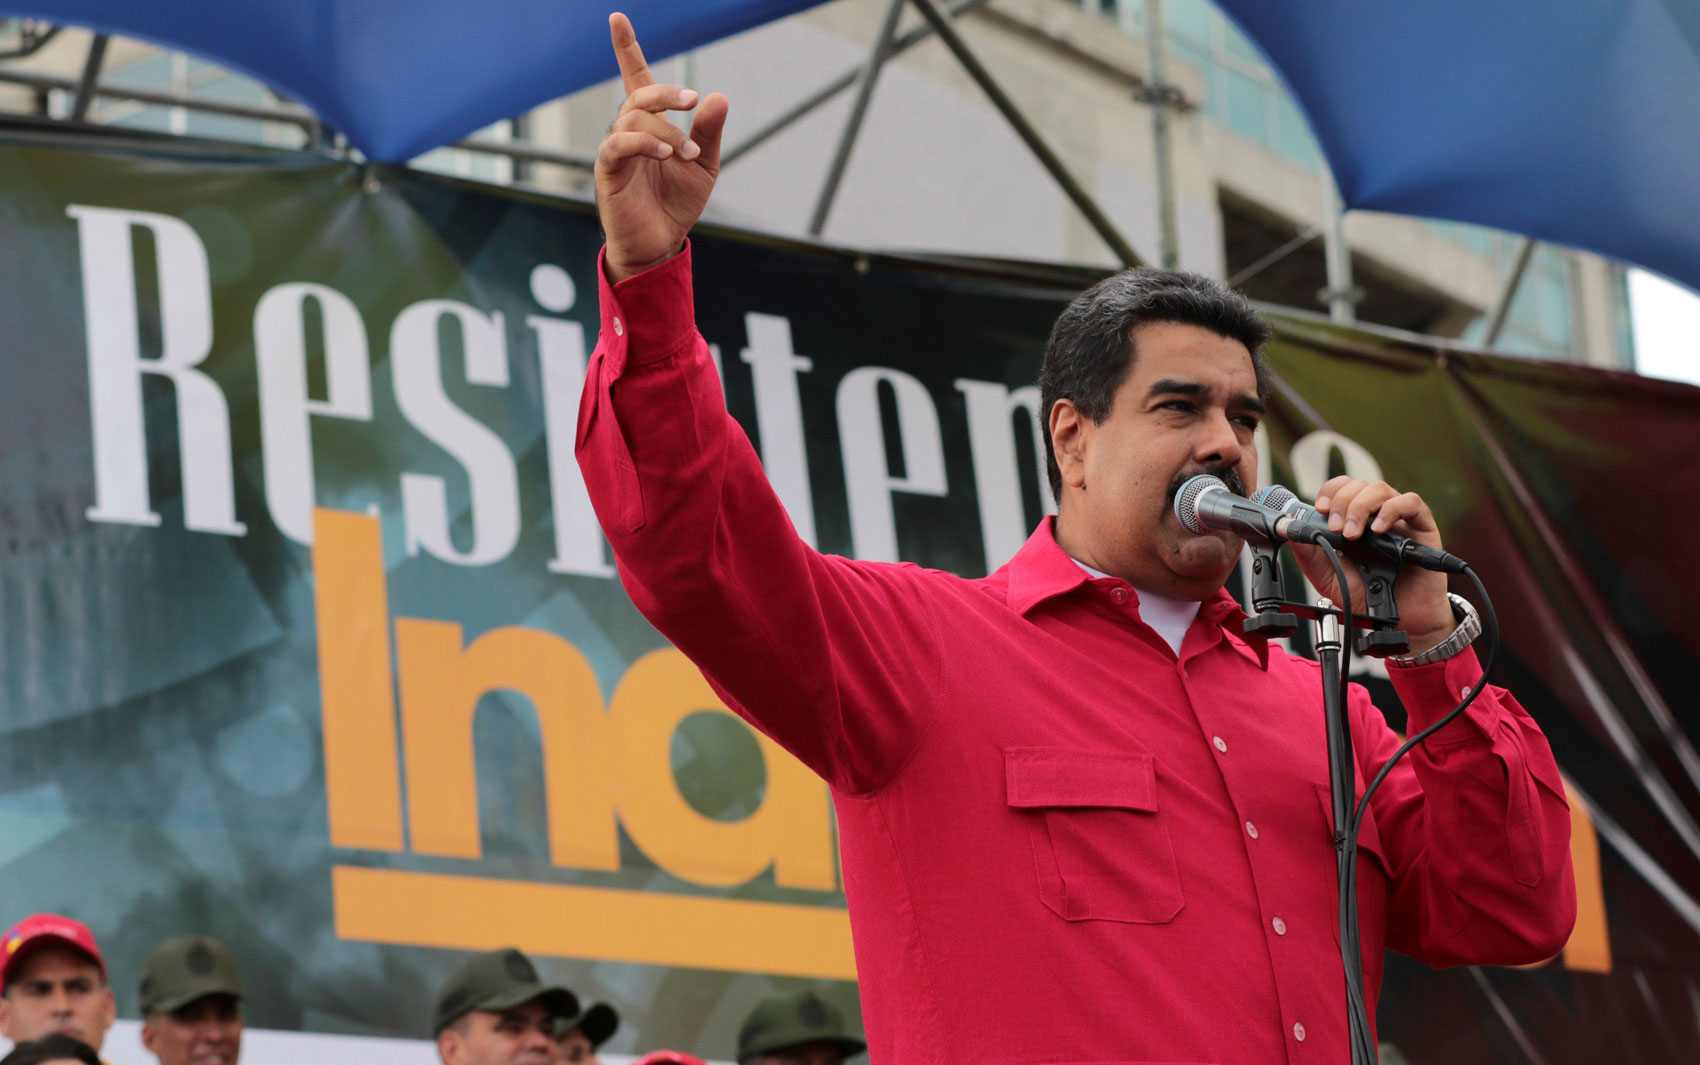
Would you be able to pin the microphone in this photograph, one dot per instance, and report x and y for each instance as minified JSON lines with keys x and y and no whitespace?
{"x":1204,"y":503}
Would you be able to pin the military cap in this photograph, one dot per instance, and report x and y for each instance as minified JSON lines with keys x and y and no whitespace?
{"x":597,"y":1023}
{"x":497,"y":980}
{"x":781,"y":1021}
{"x":179,"y":971}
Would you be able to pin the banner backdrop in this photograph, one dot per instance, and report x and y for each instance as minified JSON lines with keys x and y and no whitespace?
{"x":357,"y":740}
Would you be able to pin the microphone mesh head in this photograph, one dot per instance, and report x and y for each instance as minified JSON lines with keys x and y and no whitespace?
{"x":1274,"y":497}
{"x":1186,"y":501}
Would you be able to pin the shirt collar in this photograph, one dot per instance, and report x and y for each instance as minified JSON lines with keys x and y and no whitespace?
{"x":1042,"y":570}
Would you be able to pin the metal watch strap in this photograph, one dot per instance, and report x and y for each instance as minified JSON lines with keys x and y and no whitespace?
{"x":1469,"y":627}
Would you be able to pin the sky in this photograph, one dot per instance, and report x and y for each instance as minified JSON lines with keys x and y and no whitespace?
{"x":1666,"y":320}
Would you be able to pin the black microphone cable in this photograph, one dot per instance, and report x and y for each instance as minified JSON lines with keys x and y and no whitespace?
{"x":1351,"y":953}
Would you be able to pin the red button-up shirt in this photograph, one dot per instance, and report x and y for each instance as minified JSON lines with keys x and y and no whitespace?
{"x":1062,"y":842}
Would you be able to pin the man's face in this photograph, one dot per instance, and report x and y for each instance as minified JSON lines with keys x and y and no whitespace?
{"x":575,"y":1048}
{"x":1189,"y":405}
{"x":524,"y":1035}
{"x":57,"y":989}
{"x":802,"y":1054}
{"x":207,"y":1031}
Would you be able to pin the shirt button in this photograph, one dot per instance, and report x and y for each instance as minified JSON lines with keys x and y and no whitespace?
{"x":1299,"y":1032}
{"x":1464,"y":692}
{"x":1280,"y":926}
{"x":1251,"y":830}
{"x":1221,"y":744}
{"x":1119,"y":596}
{"x":619,"y":328}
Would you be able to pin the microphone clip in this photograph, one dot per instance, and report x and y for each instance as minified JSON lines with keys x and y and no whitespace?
{"x":1270,"y":622}
{"x":1275,"y":617}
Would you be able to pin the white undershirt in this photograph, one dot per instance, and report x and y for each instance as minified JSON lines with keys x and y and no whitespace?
{"x":1170,"y":617}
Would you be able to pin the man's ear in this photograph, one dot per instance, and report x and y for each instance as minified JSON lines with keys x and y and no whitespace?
{"x":111,"y":1008}
{"x":148,"y":1032}
{"x":448,"y":1046}
{"x":1069,"y":428}
{"x":5,"y":1017}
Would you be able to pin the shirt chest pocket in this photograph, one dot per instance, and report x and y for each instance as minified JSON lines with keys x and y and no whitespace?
{"x":1100,"y":845}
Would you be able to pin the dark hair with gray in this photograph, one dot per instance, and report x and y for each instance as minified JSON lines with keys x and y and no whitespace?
{"x":56,"y":1047}
{"x":1091,"y":349}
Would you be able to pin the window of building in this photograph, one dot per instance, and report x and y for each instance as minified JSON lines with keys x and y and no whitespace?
{"x":1541,"y":320}
{"x":477,"y":166}
{"x":183,"y":75}
{"x":1623,"y":323}
{"x":1241,"y":92}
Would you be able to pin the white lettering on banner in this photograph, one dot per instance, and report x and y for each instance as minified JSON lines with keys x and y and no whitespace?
{"x":416,"y":363}
{"x":281,"y":339}
{"x":1310,"y":455}
{"x":116,"y":366}
{"x":867,"y":478}
{"x":779,"y":416}
{"x":992,"y":409}
{"x":579,"y":544}
{"x":286,"y":413}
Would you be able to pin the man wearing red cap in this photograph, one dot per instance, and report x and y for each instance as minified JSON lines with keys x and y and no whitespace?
{"x":53,"y":979}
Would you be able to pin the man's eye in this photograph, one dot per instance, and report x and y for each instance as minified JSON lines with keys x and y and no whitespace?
{"x":1247,"y":420}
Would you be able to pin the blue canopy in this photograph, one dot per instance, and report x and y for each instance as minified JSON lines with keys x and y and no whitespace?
{"x":400,"y":77}
{"x":1576,"y":122}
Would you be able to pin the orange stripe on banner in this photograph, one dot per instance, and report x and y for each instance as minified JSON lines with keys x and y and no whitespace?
{"x":569,"y":921}
{"x":362,"y":770}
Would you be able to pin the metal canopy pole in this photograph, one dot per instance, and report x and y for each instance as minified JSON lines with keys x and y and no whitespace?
{"x":295,"y":116}
{"x":521,"y":152}
{"x":1508,"y":291}
{"x":1162,"y":98}
{"x":858,"y":111}
{"x":1341,"y":295}
{"x":1024,"y":129}
{"x":91,"y":77}
{"x":1270,"y":259}
{"x":32,"y":37}
{"x":775,"y":126}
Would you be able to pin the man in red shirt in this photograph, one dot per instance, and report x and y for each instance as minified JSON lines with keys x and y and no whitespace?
{"x":1083,"y":819}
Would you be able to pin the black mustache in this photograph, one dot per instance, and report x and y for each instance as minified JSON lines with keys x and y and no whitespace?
{"x":1226,"y":474}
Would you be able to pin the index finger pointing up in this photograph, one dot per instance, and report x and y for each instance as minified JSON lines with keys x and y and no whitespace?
{"x":633,"y":69}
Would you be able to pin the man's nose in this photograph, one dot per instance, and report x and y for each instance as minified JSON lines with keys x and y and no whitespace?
{"x":61,"y":1000}
{"x":537,"y":1038}
{"x":1218,"y":441}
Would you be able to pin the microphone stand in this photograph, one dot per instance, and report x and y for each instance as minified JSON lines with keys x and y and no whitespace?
{"x":1342,"y":783}
{"x":1276,"y":617}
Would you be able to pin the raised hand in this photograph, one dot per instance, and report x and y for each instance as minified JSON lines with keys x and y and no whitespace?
{"x":653,"y":179}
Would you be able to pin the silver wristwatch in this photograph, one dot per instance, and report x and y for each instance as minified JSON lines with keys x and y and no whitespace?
{"x":1469,"y":627}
